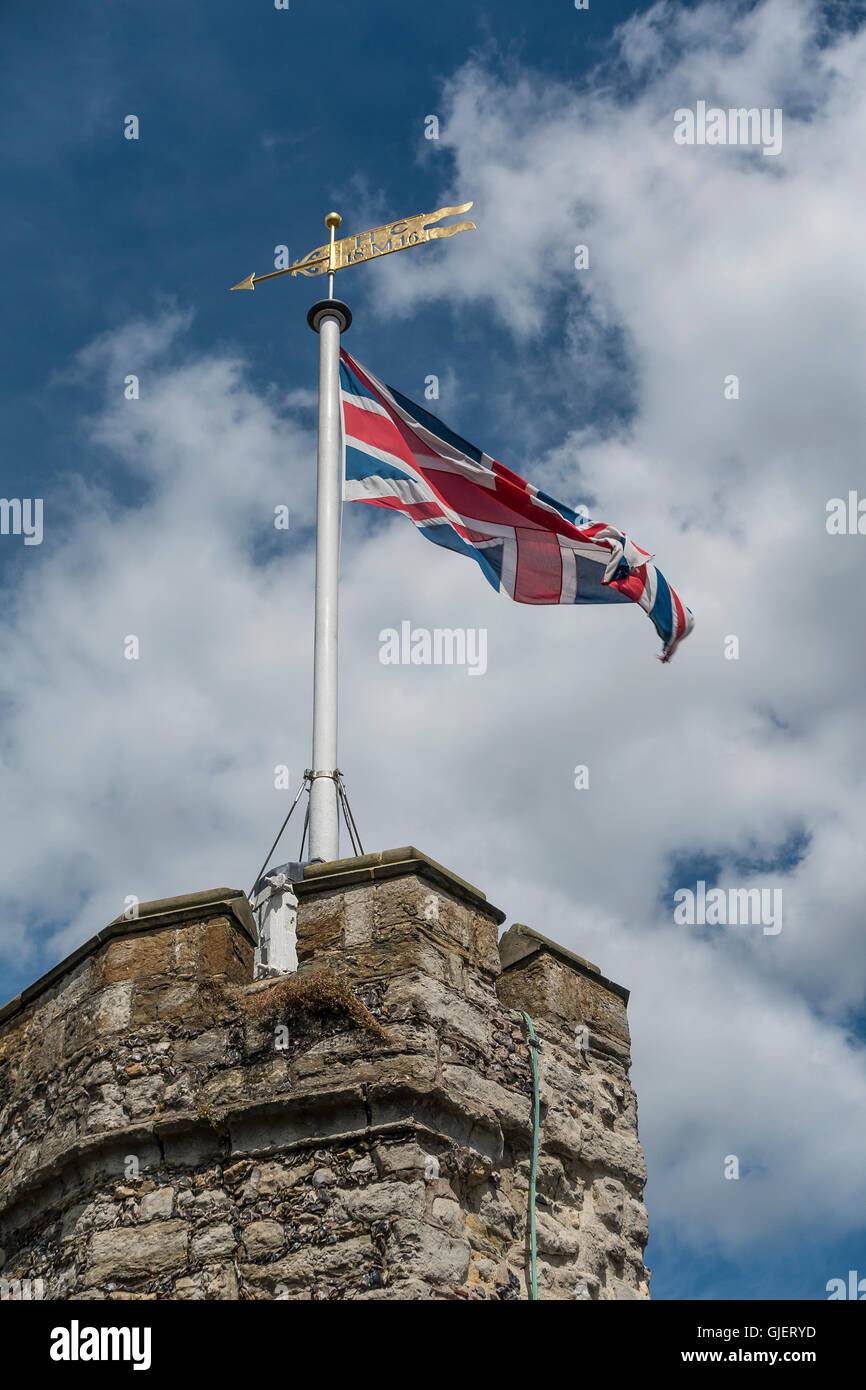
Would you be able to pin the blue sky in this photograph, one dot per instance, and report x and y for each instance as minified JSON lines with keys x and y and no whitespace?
{"x":604,"y":389}
{"x":254,"y":122}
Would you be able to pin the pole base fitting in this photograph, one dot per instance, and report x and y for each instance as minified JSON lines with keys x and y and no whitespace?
{"x":336,"y":308}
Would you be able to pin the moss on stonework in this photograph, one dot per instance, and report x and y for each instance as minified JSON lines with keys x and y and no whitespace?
{"x":207,"y":1113}
{"x":321,"y":994}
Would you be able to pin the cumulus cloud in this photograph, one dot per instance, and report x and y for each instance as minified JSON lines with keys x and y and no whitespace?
{"x":122,"y":771}
{"x":156,"y":776}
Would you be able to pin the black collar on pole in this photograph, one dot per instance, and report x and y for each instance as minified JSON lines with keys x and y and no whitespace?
{"x":335,"y":307}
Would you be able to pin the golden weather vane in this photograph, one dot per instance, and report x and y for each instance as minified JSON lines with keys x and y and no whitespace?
{"x":367,"y":246}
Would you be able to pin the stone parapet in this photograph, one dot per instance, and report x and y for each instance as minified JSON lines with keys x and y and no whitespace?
{"x":361,"y":1129}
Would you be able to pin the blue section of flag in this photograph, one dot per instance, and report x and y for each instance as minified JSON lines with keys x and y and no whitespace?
{"x":488,"y":557}
{"x":591,"y":587}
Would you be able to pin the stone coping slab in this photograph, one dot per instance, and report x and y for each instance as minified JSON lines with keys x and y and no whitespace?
{"x":152,"y":916}
{"x":520,"y":942}
{"x":391,"y":863}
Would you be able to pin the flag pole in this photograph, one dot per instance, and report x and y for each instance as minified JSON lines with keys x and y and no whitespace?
{"x":329,"y":318}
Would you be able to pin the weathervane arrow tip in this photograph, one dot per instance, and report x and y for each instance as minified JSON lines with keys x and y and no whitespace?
{"x":246,"y":284}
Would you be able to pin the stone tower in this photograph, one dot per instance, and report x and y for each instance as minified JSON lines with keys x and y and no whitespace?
{"x":360,"y":1129}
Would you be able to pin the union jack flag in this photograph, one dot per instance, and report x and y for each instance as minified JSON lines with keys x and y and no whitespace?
{"x":528,"y":545}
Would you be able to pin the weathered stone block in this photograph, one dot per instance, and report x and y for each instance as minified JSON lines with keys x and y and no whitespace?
{"x":322,"y":928}
{"x":401,"y":1158}
{"x":226,"y":951}
{"x":480,"y":1096}
{"x":417,"y":996}
{"x":136,"y":1252}
{"x":384,"y":1200}
{"x":213,"y":1242}
{"x":138,"y":956}
{"x":447,"y":1213}
{"x":607,"y":1201}
{"x":263,"y":1238}
{"x":616,"y":1151}
{"x":417,"y":1249}
{"x":115,"y":1008}
{"x":205,"y":1047}
{"x":635,"y":1227}
{"x":141,"y":1097}
{"x":556,"y":1236}
{"x":304,"y":1268}
{"x":157,"y":1204}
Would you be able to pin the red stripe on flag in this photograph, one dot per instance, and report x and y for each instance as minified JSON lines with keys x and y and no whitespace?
{"x":681,"y":617}
{"x":539,"y":567}
{"x":632,"y":585}
{"x":373,"y":429}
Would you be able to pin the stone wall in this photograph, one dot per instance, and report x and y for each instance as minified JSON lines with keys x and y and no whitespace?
{"x":360,"y":1129}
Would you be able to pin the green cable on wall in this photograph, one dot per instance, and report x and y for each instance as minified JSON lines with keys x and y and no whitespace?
{"x":536,"y":1125}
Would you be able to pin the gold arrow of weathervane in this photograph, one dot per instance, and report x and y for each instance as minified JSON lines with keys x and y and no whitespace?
{"x":367,"y":246}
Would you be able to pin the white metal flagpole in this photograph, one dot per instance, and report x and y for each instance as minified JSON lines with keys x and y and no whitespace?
{"x":329,"y":318}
